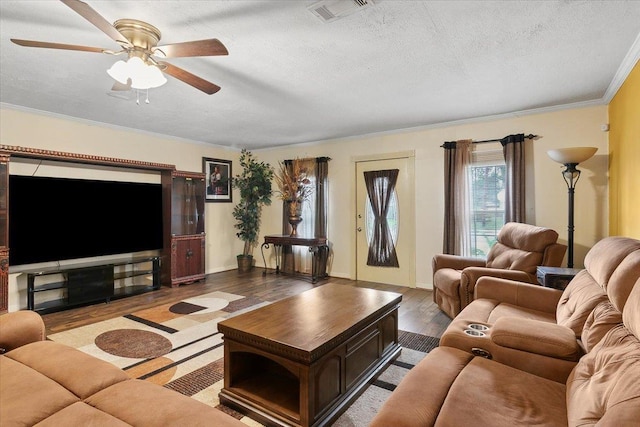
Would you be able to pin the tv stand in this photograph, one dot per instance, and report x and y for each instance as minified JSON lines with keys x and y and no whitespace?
{"x":86,"y":283}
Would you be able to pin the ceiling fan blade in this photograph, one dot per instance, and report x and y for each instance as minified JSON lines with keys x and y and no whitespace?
{"x":32,"y":43}
{"x":96,"y":19}
{"x":188,"y":78}
{"x":209,"y":47}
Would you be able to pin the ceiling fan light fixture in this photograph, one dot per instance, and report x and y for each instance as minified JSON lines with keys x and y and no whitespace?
{"x":118,"y":72}
{"x":142,"y":75}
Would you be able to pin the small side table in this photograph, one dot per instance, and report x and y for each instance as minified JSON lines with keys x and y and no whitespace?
{"x":555,"y":277}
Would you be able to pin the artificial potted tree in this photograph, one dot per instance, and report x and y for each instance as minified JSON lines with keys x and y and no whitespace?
{"x":254,"y":183}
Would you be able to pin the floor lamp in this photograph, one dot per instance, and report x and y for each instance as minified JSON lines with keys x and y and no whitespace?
{"x":570,"y":158}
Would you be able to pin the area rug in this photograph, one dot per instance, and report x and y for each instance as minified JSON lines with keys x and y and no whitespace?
{"x":179,"y":347}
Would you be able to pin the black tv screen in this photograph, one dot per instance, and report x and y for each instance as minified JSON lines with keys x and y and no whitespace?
{"x":54,"y":219}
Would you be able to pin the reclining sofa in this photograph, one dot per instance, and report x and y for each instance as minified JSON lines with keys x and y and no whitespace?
{"x":45,"y":383}
{"x":589,"y":350}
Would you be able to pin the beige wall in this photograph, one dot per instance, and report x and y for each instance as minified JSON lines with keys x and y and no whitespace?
{"x":547,"y":207}
{"x":28,"y":129}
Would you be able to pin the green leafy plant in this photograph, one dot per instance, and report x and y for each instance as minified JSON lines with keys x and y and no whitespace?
{"x":254,"y":183}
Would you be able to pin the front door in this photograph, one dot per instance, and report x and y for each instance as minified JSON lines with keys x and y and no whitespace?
{"x":385,"y":221}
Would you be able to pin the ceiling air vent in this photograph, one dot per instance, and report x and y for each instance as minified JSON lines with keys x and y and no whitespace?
{"x":332,"y":10}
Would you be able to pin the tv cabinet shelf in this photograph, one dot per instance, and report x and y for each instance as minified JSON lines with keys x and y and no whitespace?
{"x":87,"y":283}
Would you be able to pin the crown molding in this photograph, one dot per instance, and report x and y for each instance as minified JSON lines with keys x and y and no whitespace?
{"x":461,"y":122}
{"x":629,"y":61}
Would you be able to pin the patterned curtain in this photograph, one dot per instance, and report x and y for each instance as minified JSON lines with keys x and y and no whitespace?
{"x":513,"y":150}
{"x":380,"y":186}
{"x":457,"y":198}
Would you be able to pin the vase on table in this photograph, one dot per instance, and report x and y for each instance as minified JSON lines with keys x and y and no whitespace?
{"x":295,"y":216}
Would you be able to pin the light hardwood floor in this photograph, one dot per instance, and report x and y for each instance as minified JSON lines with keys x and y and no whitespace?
{"x":418,"y":312}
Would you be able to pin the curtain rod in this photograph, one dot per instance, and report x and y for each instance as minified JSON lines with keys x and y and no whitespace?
{"x":530,"y":136}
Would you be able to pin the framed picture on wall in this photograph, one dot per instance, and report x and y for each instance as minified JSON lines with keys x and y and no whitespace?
{"x":218,"y":177}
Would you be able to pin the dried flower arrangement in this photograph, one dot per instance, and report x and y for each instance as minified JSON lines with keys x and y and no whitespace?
{"x":293,"y":183}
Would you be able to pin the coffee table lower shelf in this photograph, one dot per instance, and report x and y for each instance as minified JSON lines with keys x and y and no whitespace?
{"x":273,"y":396}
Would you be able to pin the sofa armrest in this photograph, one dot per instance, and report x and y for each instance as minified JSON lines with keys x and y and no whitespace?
{"x":470,"y":276}
{"x":522,"y":294}
{"x":19,"y":328}
{"x":456,"y":262}
{"x":532,"y":336}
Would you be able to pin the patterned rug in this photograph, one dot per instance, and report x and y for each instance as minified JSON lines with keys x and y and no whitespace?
{"x":179,"y":347}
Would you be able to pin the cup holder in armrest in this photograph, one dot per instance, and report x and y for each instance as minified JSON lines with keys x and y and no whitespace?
{"x":474,"y":333}
{"x":478,"y":327}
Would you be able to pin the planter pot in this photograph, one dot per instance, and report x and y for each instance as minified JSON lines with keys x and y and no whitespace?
{"x":245,"y":263}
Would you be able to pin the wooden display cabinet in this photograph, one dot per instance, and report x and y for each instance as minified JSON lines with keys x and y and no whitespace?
{"x":166,"y":171}
{"x":187,"y":227}
{"x":183,"y":194}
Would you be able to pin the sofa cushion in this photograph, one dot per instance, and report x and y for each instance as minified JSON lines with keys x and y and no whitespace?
{"x":578,"y":300}
{"x":527,"y":237}
{"x":505,"y":257}
{"x":449,"y":387}
{"x":488,"y":311}
{"x":20,"y":384}
{"x":81,"y":374}
{"x":407,"y":405}
{"x":520,"y":247}
{"x":631,"y":313}
{"x":604,"y":387}
{"x":601,"y":320}
{"x":72,"y":388}
{"x":509,"y":310}
{"x":81,"y":414}
{"x":502,"y":396}
{"x":623,"y":279}
{"x":169,"y":407}
{"x":605,"y":256}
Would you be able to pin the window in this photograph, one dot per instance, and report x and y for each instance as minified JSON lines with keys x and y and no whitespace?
{"x":487,"y":181}
{"x":302,"y":257}
{"x":307,"y":227}
{"x":392,"y":218}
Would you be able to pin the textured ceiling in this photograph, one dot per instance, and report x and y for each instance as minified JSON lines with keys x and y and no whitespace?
{"x":291,"y":78}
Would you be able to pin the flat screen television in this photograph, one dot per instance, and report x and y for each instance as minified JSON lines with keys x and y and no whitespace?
{"x":55,"y":219}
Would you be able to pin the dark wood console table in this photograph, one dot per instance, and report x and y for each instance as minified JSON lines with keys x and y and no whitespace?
{"x":317,"y":246}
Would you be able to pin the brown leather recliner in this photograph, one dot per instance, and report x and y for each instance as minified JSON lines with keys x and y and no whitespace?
{"x":451,"y":387}
{"x":519,"y":249}
{"x":545,"y":331}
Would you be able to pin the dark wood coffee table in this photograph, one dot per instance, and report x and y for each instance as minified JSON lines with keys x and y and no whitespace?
{"x":302,"y":360}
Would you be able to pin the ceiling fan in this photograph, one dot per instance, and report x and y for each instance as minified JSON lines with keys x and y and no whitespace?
{"x":139,"y":40}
